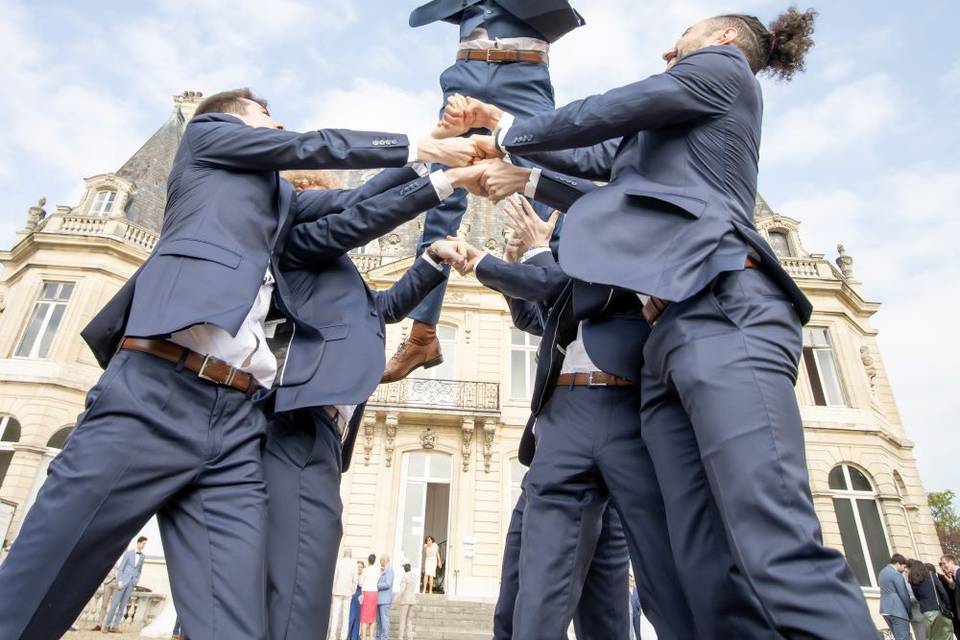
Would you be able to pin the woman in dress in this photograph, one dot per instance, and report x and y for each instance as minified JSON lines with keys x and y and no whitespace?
{"x":431,"y":562}
{"x":354,"y":632}
{"x":368,"y":601}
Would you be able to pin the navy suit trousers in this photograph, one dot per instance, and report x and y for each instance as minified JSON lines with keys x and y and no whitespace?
{"x":589,"y":451}
{"x":301,"y":464}
{"x":721,"y":422}
{"x":151,"y":440}
{"x":520,"y":88}
{"x":602,"y":613}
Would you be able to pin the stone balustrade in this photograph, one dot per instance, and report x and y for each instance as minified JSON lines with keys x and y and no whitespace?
{"x":143,"y":607}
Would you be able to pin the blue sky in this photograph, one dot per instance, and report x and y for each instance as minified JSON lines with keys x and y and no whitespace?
{"x":863,"y":148}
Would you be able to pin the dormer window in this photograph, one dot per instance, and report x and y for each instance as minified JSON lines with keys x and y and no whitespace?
{"x":103,"y":202}
{"x":780,"y":244}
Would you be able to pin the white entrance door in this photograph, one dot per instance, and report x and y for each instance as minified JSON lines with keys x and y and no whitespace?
{"x":420,"y":470}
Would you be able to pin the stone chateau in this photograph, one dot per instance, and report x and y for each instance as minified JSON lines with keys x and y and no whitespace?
{"x":437,"y":453}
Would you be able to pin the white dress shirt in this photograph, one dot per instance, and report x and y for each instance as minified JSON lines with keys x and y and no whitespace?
{"x":480,"y":39}
{"x":248,"y":351}
{"x":370,"y":578}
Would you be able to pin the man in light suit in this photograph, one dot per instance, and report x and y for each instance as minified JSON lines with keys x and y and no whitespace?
{"x":502,"y":57}
{"x":316,"y":406}
{"x":184,"y":348}
{"x":895,"y":598}
{"x":128,"y":575}
{"x":675,"y":224}
{"x":384,"y":598}
{"x":344,"y":585}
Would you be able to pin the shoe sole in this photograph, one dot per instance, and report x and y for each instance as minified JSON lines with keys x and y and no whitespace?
{"x":431,"y":364}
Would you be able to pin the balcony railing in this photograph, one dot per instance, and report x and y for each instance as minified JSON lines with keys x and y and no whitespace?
{"x":366,"y":261}
{"x":802,"y":267}
{"x":143,"y":607}
{"x":421,"y":393}
{"x":117,"y":228}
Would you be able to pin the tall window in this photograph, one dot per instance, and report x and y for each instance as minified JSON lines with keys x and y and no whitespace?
{"x":103,"y":202}
{"x":780,"y":244}
{"x":9,"y":434}
{"x":447,"y":335}
{"x":821,"y":366}
{"x":861,"y":527}
{"x":523,"y":363}
{"x":517,"y":471}
{"x":45,"y":320}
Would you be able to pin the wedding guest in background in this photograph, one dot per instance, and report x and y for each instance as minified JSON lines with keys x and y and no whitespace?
{"x":354,"y":632}
{"x":368,"y":599}
{"x":431,"y":562}
{"x":406,"y":600}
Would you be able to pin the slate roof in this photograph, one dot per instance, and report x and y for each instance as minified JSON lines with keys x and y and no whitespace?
{"x":148,"y":169}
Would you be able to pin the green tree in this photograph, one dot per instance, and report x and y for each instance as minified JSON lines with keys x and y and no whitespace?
{"x":946,"y":520}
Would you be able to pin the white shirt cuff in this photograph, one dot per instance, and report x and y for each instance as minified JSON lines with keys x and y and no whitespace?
{"x":422,"y":168}
{"x":531,"y":189}
{"x":506,"y":121}
{"x":431,"y":262}
{"x":533,"y":252}
{"x":413,"y":149}
{"x":441,"y":184}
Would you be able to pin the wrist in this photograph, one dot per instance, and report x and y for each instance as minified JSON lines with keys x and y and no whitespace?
{"x":491,"y":116}
{"x":426,"y":149}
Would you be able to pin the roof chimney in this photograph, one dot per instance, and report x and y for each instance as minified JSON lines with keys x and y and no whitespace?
{"x":186,"y":103}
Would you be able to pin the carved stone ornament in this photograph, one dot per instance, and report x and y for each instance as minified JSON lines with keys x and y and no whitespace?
{"x":489,"y":431}
{"x":369,"y":422}
{"x":844,"y":262}
{"x":870,"y":367}
{"x":36,"y":214}
{"x":428,"y":439}
{"x":466,"y":434}
{"x":390,"y":431}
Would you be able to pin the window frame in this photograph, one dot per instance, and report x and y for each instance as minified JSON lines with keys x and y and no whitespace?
{"x":449,"y":348}
{"x":103,"y":206}
{"x":529,"y":351}
{"x":8,"y":448}
{"x":853,"y":495}
{"x":786,"y":238}
{"x":51,"y":306}
{"x":838,"y":372}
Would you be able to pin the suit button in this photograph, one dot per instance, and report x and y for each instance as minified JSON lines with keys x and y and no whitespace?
{"x":373,"y":313}
{"x":380,"y":334}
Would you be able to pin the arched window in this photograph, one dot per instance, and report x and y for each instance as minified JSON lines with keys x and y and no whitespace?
{"x":59,"y":439}
{"x":103,"y":202}
{"x":780,"y":243}
{"x":861,"y":525}
{"x":9,"y":434}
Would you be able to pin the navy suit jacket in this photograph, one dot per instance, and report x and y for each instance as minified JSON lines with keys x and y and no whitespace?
{"x":549,"y":19}
{"x":342,"y":362}
{"x":227,"y":212}
{"x":678,"y":209}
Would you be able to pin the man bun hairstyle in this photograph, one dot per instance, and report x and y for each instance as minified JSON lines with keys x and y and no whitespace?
{"x":778,"y":49}
{"x":228,"y":102}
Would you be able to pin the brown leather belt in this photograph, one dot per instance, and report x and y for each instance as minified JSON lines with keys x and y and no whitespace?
{"x":592,"y":379}
{"x":655,"y":307}
{"x":206,"y":367}
{"x":502,"y":55}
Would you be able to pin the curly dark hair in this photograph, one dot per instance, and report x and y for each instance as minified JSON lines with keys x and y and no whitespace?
{"x":778,"y":49}
{"x":917,"y":572}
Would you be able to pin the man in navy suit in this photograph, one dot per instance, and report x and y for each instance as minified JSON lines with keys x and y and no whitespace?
{"x":326,"y":377}
{"x":675,"y":224}
{"x":591,"y":351}
{"x":502,"y":58}
{"x":171,"y":427}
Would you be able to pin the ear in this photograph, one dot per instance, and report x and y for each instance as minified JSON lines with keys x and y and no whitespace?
{"x":725,"y":36}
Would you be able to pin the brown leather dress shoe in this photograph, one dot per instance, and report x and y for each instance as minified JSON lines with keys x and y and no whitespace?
{"x":420,"y":349}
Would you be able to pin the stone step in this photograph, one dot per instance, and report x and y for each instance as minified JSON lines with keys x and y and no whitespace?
{"x":437,"y":618}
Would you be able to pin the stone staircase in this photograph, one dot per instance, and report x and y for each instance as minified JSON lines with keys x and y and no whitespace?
{"x":437,"y":618}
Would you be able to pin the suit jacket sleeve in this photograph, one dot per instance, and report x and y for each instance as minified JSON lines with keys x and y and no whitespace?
{"x":234,"y":145}
{"x":335,"y":234}
{"x":539,"y":280}
{"x":125,"y":560}
{"x":385,"y":583}
{"x":703,"y":84}
{"x":315,"y":203}
{"x":561,"y":191}
{"x":591,"y":163}
{"x":527,"y":316}
{"x":396,"y":302}
{"x":901,"y":587}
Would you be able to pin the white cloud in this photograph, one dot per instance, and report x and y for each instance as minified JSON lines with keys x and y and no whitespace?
{"x":846,"y":118}
{"x":373,"y":105}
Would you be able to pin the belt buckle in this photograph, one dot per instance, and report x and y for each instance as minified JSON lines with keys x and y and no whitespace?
{"x":487,"y":53}
{"x":203,"y":375}
{"x":591,"y":383}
